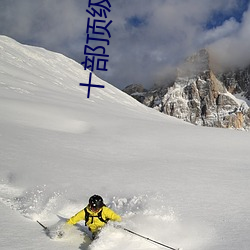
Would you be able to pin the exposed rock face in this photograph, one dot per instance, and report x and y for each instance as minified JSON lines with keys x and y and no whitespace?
{"x":199,"y":97}
{"x":237,"y":81}
{"x":134,"y":88}
{"x":137,"y":91}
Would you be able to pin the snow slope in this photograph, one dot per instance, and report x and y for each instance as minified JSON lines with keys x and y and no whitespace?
{"x":176,"y":183}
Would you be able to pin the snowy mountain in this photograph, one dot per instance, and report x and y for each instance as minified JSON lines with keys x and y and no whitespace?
{"x":201,"y":96}
{"x":182,"y":185}
{"x":237,"y":81}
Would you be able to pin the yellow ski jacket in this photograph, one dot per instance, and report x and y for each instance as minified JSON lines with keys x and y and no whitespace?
{"x":94,"y":223}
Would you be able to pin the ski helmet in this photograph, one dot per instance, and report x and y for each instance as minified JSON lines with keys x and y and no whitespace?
{"x":95,"y":202}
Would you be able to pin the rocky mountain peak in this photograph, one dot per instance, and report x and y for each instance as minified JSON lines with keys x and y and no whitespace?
{"x":196,"y":64}
{"x":202,"y":97}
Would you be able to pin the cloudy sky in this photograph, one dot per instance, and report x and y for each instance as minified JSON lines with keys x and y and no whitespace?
{"x":148,"y":37}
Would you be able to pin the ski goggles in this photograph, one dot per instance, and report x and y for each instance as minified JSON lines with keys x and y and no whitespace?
{"x":94,"y":208}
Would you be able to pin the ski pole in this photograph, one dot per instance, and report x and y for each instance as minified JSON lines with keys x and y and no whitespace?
{"x":146,"y":238}
{"x":45,"y":228}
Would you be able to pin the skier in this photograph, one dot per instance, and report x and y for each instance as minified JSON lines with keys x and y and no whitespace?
{"x":95,"y":214}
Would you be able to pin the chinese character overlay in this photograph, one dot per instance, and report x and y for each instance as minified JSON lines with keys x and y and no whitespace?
{"x":89,"y":85}
{"x":95,"y":56}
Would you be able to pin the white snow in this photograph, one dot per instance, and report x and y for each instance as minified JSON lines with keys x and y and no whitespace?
{"x":182,"y":185}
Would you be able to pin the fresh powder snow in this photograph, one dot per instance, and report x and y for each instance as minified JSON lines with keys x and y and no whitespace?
{"x":182,"y":185}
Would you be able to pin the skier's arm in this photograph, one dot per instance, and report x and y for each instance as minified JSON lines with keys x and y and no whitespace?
{"x":110,"y":214}
{"x":77,"y":217}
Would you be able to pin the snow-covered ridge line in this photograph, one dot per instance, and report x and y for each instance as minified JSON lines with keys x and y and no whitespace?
{"x":62,"y":72}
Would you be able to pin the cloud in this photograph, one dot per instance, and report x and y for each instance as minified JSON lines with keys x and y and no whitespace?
{"x":53,"y":24}
{"x":171,"y":31}
{"x":233,"y":49}
{"x":228,"y":28}
{"x":148,"y":38}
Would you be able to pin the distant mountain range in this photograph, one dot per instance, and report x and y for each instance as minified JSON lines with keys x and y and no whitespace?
{"x":201,"y":94}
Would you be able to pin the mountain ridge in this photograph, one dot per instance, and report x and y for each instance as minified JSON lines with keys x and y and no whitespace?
{"x":200,"y":95}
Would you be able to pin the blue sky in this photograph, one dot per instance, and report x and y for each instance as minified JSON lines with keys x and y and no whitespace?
{"x":149,"y":38}
{"x":218,"y":17}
